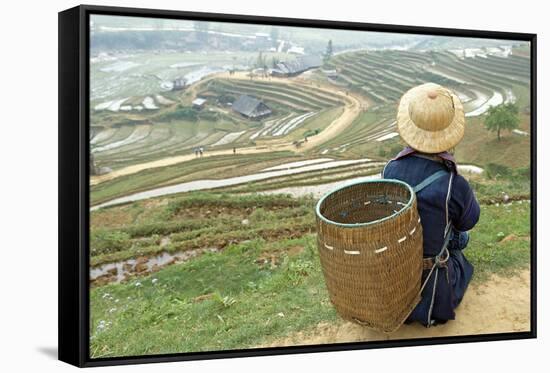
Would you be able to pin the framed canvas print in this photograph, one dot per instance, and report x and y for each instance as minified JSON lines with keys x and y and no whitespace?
{"x":236,"y":185}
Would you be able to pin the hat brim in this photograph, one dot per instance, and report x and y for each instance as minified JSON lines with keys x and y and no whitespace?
{"x":429,"y":141}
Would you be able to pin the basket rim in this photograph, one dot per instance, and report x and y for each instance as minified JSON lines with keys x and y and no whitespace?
{"x":356,"y":225}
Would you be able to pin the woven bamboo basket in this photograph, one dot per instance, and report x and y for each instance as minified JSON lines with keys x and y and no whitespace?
{"x":370,"y":245}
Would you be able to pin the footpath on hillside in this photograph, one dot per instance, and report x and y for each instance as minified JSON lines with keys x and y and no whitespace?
{"x":352,"y":109}
{"x":499,"y":305}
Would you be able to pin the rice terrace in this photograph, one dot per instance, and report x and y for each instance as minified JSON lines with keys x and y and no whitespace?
{"x":210,"y":146}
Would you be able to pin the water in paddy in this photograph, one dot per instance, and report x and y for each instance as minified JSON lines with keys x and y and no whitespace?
{"x":209,"y":184}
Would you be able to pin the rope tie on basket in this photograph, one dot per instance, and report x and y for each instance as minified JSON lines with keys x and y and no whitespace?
{"x":439,"y":261}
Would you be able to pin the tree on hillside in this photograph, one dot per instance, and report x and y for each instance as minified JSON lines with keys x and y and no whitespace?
{"x":502,"y":117}
{"x":328,"y":52}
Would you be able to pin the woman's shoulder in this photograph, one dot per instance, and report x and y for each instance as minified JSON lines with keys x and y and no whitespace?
{"x":461,"y":182}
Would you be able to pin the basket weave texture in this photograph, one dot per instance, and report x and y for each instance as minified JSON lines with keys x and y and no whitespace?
{"x":370,"y":245}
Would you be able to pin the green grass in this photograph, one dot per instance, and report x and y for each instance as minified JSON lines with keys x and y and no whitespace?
{"x":247,"y":301}
{"x":501,"y":181}
{"x":261,"y":286}
{"x":500,"y":243}
{"x":481,"y":147}
{"x":193,"y":221}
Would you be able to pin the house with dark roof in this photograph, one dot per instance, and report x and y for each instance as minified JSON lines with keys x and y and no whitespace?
{"x":178,"y":84}
{"x":198,"y":103}
{"x":296,"y":66}
{"x":332,"y":74}
{"x":250,"y":107}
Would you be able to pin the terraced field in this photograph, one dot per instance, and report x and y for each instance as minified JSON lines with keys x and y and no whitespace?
{"x":165,"y":129}
{"x":293,"y":106}
{"x":168,"y":126}
{"x":383,"y":76}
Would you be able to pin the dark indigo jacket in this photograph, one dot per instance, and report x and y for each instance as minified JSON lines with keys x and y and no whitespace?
{"x":463,"y":212}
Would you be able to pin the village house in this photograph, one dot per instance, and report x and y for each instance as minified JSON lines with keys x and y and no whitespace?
{"x":297,"y":66}
{"x":295,"y":50}
{"x":331,"y":74}
{"x":198,"y":103}
{"x":250,"y":107}
{"x":178,"y":84}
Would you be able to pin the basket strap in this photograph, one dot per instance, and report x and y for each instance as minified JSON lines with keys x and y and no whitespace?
{"x":441,"y":257}
{"x":430,"y":179}
{"x":438,"y":258}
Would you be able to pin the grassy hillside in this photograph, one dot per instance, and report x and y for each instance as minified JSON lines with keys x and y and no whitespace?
{"x":266,"y":282}
{"x":481,"y":147}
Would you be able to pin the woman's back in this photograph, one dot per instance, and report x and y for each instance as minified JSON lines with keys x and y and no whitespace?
{"x":463,"y":210}
{"x":447,"y":198}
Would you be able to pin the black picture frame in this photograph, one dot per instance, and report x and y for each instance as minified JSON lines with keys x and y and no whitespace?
{"x":73,"y":250}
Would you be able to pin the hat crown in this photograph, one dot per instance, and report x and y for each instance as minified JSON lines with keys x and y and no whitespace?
{"x":432,"y":108}
{"x":430,"y":118}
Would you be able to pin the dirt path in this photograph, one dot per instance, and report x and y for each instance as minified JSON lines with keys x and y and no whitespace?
{"x":499,"y":305}
{"x":352,"y":108}
{"x":169,"y":161}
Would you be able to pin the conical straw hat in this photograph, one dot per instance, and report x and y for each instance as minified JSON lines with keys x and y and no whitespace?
{"x":430,"y":118}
